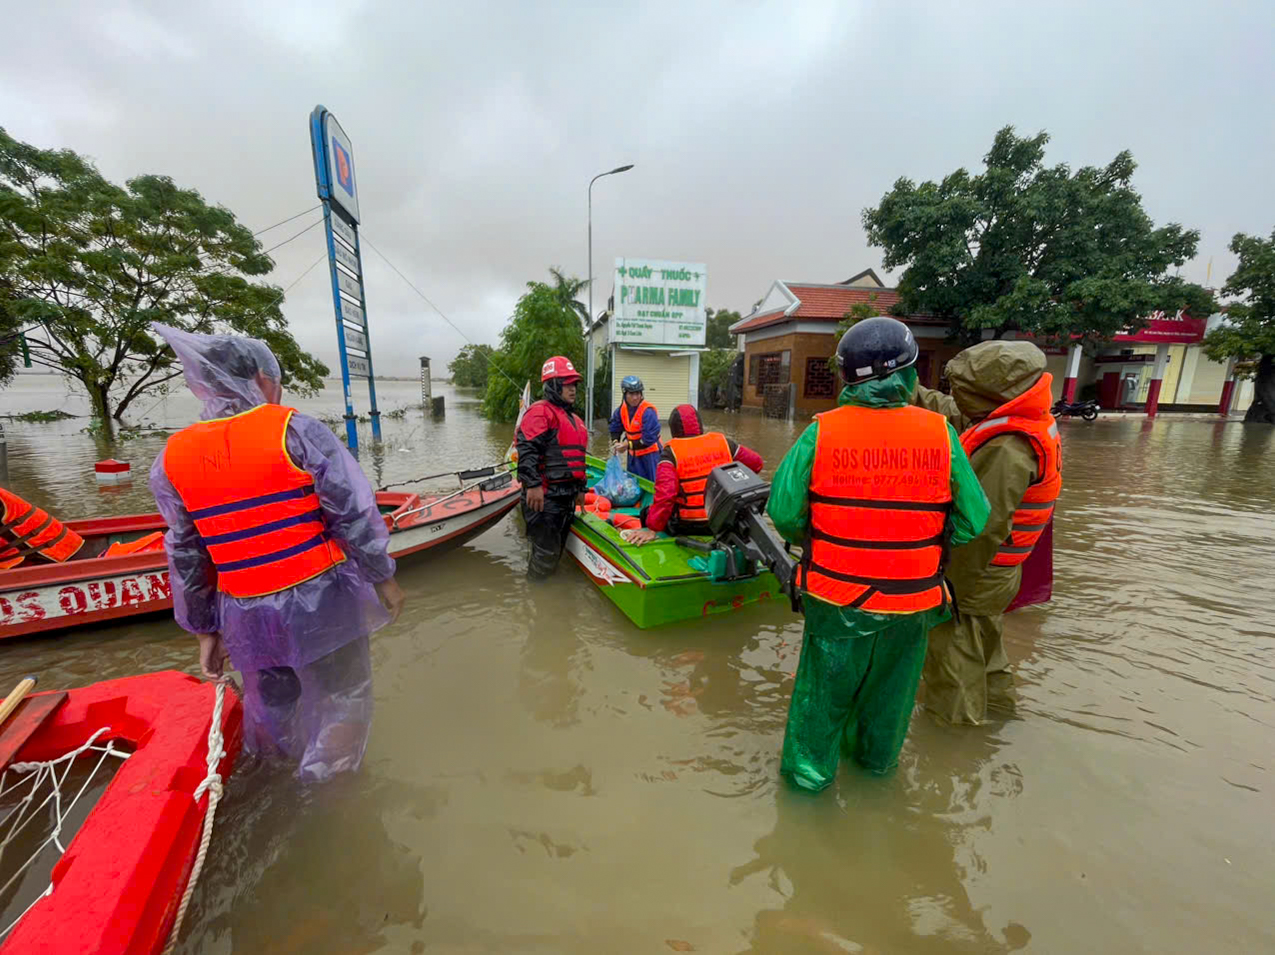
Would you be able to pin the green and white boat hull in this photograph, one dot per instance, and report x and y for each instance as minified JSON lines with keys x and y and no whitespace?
{"x":656,"y":583}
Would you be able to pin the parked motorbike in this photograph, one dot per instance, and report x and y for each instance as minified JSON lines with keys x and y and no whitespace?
{"x":1076,"y":409}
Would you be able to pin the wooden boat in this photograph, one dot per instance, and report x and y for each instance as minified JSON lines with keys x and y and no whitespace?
{"x":660,"y":582}
{"x":92,"y":588}
{"x":118,"y":886}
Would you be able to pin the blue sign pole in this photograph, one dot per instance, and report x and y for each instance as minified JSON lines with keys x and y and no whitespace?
{"x":338,"y":191}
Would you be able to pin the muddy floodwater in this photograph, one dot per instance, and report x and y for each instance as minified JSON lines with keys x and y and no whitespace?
{"x":543,"y":777}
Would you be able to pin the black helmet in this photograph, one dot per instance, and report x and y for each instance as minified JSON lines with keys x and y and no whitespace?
{"x":875,"y":348}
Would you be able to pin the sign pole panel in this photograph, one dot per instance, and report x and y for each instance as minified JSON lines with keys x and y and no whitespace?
{"x":338,"y":191}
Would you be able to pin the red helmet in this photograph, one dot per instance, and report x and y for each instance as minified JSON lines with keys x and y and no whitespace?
{"x":559,"y":367}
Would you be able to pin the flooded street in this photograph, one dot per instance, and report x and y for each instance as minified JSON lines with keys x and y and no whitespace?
{"x":543,"y":777}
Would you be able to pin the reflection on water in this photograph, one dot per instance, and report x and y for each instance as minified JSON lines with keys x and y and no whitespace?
{"x":543,"y":777}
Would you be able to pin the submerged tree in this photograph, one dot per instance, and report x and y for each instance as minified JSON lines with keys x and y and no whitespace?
{"x":1249,"y":331}
{"x":1029,"y":248}
{"x":472,"y":366}
{"x":88,"y":265}
{"x":542,"y":326}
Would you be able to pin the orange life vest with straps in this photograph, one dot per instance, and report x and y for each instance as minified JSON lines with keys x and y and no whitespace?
{"x":26,"y":530}
{"x":694,"y":458}
{"x":880,"y":493}
{"x":255,"y":509}
{"x":633,"y":427}
{"x":1027,"y":415}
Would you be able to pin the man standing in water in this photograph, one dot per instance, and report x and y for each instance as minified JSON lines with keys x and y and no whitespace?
{"x":874,"y":490}
{"x":277,"y":555}
{"x":1000,"y":400}
{"x":551,"y":444}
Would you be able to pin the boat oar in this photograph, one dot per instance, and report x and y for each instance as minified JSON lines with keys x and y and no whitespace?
{"x":29,"y":717}
{"x":16,"y":696}
{"x":470,"y":475}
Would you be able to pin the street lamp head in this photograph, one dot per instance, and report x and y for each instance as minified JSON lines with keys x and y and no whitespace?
{"x":620,"y":169}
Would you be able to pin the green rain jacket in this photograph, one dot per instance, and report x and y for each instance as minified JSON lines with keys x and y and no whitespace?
{"x":789,"y":505}
{"x":983,"y":378}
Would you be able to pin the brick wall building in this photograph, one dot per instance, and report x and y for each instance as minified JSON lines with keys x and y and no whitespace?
{"x":789,"y":337}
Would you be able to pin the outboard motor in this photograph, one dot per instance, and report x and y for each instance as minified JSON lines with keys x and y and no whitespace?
{"x":735,"y":499}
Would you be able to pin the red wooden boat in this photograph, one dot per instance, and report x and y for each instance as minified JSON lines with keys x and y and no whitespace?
{"x":36,"y":597}
{"x":118,"y":887}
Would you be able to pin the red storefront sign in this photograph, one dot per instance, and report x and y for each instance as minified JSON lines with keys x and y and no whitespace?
{"x":1160,"y":329}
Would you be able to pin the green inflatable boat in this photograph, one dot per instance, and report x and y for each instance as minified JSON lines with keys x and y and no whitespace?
{"x":663,"y":581}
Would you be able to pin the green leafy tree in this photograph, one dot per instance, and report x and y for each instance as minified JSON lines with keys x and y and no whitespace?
{"x":1025,"y":247}
{"x":471,"y":366}
{"x":602,"y":382}
{"x":856,"y":313}
{"x":714,"y":374}
{"x":567,"y":288}
{"x":717,"y":332}
{"x":89,"y":265}
{"x":1249,"y":331}
{"x":10,"y":336}
{"x":542,"y":326}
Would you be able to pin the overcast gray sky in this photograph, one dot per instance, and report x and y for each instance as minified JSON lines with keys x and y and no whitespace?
{"x":759,"y":131}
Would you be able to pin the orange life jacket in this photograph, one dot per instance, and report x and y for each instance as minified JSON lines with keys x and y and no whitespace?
{"x":255,"y":509}
{"x":1027,"y":415}
{"x":694,"y":458}
{"x":880,"y":493}
{"x":143,"y":545}
{"x":633,"y":427}
{"x":25,"y":530}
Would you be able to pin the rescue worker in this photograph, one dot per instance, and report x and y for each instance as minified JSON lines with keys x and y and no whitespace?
{"x":874,"y":491}
{"x":1001,"y":395}
{"x":680,"y":479}
{"x":277,"y":555}
{"x":551,"y":441}
{"x":29,"y":531}
{"x":635,"y":427}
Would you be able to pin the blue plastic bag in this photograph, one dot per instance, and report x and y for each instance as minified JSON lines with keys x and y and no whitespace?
{"x":618,"y":484}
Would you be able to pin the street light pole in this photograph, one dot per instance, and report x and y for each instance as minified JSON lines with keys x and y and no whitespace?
{"x":588,"y":330}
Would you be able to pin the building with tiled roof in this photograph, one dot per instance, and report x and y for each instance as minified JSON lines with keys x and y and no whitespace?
{"x":789,"y":336}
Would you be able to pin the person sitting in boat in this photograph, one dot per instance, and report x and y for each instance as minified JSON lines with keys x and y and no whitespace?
{"x":635,"y":427}
{"x":1000,"y":401}
{"x":551,"y":441}
{"x":685,"y":463}
{"x":874,"y":491}
{"x":277,"y":555}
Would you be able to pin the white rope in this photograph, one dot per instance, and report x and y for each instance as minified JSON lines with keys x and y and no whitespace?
{"x":211,"y":785}
{"x":37,"y":773}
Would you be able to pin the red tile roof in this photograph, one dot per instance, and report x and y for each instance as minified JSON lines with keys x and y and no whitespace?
{"x":829,"y":303}
{"x":833,"y":301}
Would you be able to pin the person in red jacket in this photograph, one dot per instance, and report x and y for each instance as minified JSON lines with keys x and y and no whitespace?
{"x":551,"y":441}
{"x":685,"y":463}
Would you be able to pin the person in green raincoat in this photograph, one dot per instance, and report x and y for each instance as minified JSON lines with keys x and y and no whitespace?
{"x":1000,"y":402}
{"x":874,"y":493}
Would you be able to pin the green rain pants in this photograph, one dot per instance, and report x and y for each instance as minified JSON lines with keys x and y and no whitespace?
{"x":967,"y":670}
{"x":852,"y":693}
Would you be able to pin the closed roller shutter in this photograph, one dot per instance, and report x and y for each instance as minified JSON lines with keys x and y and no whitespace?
{"x":667,"y":380}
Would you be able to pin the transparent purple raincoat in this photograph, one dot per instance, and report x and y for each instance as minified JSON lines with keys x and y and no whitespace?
{"x":303,"y":652}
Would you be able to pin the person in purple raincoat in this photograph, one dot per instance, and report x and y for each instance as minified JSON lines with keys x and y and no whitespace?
{"x":303,"y":649}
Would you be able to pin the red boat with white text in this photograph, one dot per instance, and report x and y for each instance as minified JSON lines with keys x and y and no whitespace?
{"x":36,"y":597}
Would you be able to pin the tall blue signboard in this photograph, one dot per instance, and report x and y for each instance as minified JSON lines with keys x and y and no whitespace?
{"x":338,"y":188}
